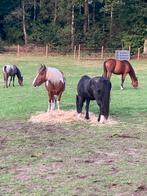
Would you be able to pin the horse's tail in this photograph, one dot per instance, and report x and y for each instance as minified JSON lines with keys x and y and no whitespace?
{"x":4,"y":69}
{"x":5,"y":72}
{"x":104,"y":70}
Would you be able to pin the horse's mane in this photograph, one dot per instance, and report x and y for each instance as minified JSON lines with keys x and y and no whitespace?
{"x":54,"y":75}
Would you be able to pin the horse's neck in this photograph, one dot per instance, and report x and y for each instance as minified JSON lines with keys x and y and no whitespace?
{"x":132,"y":73}
{"x":18,"y":73}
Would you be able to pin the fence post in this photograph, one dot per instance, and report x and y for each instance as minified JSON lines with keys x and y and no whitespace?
{"x":138,"y":54}
{"x":18,"y":50}
{"x":102,"y":52}
{"x":46,"y":50}
{"x":130,"y":49}
{"x":79,"y":52}
{"x":75,"y":48}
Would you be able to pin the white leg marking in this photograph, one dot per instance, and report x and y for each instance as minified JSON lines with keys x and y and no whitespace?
{"x":102,"y":119}
{"x":121,"y":88}
{"x":52,"y":105}
{"x":79,"y":115}
{"x":58,"y":105}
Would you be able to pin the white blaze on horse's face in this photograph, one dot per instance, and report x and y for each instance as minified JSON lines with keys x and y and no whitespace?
{"x":34,"y":81}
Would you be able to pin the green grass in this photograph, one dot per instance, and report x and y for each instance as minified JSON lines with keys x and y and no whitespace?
{"x":72,"y":159}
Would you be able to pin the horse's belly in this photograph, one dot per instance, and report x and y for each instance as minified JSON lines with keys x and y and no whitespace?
{"x":118,"y":71}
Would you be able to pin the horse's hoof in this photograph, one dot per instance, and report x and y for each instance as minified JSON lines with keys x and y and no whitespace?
{"x":102,"y":119}
{"x":87,"y":117}
{"x":79,"y":115}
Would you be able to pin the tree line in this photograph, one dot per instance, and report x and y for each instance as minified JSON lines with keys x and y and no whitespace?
{"x":65,"y":23}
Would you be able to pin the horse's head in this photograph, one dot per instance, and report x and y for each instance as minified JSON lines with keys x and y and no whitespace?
{"x":40,"y":77}
{"x":20,"y":81}
{"x":135,"y":83}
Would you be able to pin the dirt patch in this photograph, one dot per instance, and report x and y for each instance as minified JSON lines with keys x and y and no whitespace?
{"x":141,"y":190}
{"x":67,"y":117}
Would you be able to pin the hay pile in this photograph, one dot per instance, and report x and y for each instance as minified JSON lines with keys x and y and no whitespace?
{"x":66,"y":117}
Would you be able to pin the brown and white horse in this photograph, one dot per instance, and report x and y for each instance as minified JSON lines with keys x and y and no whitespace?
{"x":54,"y":82}
{"x":11,"y":71}
{"x":120,"y":68}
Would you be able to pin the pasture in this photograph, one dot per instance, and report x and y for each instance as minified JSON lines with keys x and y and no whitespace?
{"x":72,"y":158}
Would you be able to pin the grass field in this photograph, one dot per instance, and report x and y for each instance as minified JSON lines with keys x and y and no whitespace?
{"x":72,"y":159}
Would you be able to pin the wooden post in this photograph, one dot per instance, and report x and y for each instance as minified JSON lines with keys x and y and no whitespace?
{"x":130,"y":49}
{"x":46,"y":50}
{"x":18,"y":50}
{"x":75,"y":48}
{"x":102,"y":52}
{"x":138,"y":54}
{"x":79,"y":52}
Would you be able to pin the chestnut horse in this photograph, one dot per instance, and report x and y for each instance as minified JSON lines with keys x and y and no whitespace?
{"x":120,"y":68}
{"x":11,"y":71}
{"x":54,"y":82}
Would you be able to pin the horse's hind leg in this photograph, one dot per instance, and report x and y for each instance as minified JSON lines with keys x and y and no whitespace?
{"x":5,"y":80}
{"x":109,"y":75}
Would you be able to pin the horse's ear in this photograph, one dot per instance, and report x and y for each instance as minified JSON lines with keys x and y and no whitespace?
{"x":44,"y":67}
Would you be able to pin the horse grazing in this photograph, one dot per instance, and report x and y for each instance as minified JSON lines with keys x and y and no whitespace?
{"x":54,"y":82}
{"x":97,"y":88}
{"x":11,"y":71}
{"x":120,"y":68}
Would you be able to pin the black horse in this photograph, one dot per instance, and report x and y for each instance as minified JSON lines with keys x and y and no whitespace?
{"x":97,"y":88}
{"x":11,"y":71}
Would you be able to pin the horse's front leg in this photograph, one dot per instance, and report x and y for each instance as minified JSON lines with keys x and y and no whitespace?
{"x":13,"y":79}
{"x":123,"y":76}
{"x":87,"y":108}
{"x":10,"y":80}
{"x":79,"y":104}
{"x":49,"y":102}
{"x":52,"y":103}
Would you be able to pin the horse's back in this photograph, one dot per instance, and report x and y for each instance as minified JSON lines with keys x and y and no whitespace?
{"x":10,"y":69}
{"x":83,"y":82}
{"x":54,"y":75}
{"x":117,"y":66}
{"x":100,"y":83}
